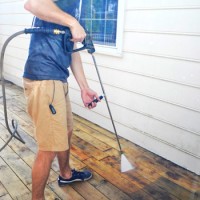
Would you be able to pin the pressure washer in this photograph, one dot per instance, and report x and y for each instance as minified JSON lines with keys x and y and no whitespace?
{"x":87,"y":45}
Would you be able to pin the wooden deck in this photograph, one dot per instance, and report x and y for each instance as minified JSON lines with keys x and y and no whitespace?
{"x":92,"y":148}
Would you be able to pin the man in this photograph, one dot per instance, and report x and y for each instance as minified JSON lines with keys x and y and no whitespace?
{"x":46,"y":89}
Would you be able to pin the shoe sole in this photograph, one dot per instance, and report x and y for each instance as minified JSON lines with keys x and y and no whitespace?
{"x":77,"y":180}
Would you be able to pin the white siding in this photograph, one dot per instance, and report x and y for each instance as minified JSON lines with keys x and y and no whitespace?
{"x":14,"y":18}
{"x":153,"y":88}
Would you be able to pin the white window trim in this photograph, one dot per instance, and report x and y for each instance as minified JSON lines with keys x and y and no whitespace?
{"x":117,"y":50}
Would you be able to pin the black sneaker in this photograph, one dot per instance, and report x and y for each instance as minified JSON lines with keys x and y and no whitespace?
{"x":76,"y":176}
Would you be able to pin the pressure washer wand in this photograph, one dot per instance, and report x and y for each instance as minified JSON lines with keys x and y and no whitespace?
{"x":125,"y":164}
{"x":104,"y":94}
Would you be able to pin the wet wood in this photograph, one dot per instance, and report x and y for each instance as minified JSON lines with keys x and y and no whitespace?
{"x":78,"y":153}
{"x":76,"y":164}
{"x":95,"y":148}
{"x":94,"y":127}
{"x":145,"y":163}
{"x":91,"y":140}
{"x":88,"y":148}
{"x":108,"y":189}
{"x":115,"y":177}
{"x":88,"y":191}
{"x":96,"y":134}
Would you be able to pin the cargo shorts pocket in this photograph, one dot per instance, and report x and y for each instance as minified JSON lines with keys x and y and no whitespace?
{"x":28,"y":87}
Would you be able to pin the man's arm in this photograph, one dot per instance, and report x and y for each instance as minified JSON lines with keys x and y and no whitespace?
{"x":87,"y":94}
{"x":48,"y":11}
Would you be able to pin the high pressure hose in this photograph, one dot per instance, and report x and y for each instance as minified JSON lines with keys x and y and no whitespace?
{"x":13,"y":133}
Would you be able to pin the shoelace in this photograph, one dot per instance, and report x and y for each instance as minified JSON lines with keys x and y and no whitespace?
{"x":77,"y":173}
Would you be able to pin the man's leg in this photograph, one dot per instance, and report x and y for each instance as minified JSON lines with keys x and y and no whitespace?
{"x":40,"y":173}
{"x":63,"y":160}
{"x":67,"y":175}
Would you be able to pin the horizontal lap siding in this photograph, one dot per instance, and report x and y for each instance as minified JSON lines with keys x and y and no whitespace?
{"x":153,"y":88}
{"x":14,"y":18}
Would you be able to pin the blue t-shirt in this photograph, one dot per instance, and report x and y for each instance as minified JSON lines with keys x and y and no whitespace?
{"x":47,"y":59}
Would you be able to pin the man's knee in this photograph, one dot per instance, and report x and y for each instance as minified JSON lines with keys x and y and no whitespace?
{"x":46,"y":155}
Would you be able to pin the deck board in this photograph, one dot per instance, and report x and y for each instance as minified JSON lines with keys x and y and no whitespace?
{"x":93,"y":148}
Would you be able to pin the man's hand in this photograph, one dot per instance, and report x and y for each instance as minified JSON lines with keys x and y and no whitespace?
{"x":47,"y":10}
{"x":88,"y":96}
{"x":78,"y":32}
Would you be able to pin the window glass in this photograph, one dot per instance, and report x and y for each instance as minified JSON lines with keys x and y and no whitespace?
{"x":99,"y":17}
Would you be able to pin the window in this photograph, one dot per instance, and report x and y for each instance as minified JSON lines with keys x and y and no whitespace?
{"x":101,"y":19}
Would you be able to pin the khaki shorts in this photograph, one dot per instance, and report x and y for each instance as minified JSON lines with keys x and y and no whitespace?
{"x":50,"y":129}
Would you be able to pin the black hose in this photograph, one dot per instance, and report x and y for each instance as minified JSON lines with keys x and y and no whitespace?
{"x":14,"y":133}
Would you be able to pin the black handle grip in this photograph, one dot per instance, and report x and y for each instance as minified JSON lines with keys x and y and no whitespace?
{"x":87,"y":44}
{"x":95,"y":101}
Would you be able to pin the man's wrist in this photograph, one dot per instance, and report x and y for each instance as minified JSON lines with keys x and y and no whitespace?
{"x":84,"y":88}
{"x":72,"y":22}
